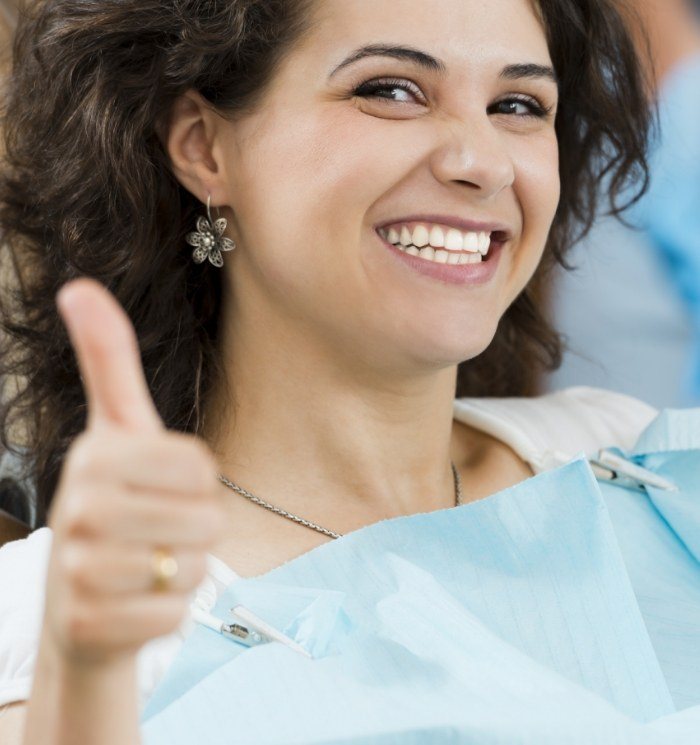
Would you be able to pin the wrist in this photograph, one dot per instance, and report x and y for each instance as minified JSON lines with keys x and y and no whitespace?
{"x":74,"y":701}
{"x":64,"y":665}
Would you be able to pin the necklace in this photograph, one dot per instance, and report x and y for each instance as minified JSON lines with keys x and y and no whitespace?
{"x":308,"y":523}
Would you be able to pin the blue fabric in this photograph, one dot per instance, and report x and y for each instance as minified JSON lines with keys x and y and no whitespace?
{"x":670,"y":212}
{"x":560,"y":610}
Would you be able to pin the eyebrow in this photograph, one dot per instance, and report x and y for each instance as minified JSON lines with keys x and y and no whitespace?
{"x":433,"y":64}
{"x":422,"y":59}
{"x":529,"y":70}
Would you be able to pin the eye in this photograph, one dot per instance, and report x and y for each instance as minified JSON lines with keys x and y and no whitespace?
{"x":394,"y":90}
{"x":524,"y":106}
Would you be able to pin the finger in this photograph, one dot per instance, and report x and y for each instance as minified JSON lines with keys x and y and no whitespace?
{"x":147,"y":520}
{"x":110,"y":364}
{"x":168,"y":462}
{"x":118,"y":624}
{"x":120,"y":569}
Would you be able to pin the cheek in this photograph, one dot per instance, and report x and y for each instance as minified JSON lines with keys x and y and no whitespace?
{"x":306,"y":175}
{"x":537,"y":168}
{"x":305,"y":188}
{"x":537,"y":191}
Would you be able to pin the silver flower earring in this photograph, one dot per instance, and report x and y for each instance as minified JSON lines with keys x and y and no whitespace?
{"x":209,"y":239}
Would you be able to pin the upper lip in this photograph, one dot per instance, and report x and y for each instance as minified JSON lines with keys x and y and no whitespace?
{"x":468,"y":226}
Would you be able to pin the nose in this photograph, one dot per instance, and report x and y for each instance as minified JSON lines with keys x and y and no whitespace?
{"x":475,"y":154}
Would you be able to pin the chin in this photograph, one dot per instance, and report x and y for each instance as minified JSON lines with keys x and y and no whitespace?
{"x":446,"y":352}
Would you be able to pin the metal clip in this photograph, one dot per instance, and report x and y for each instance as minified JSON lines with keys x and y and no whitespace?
{"x":611,"y":467}
{"x":246,"y":628}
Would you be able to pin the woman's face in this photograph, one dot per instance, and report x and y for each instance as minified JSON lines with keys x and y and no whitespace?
{"x":341,"y":152}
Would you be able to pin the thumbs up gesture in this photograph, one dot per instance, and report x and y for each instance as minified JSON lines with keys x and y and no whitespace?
{"x":127,"y":488}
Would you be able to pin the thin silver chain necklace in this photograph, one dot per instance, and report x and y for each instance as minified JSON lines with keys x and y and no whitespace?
{"x":308,"y":523}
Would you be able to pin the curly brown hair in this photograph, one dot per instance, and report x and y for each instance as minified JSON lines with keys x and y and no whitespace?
{"x":86,"y":188}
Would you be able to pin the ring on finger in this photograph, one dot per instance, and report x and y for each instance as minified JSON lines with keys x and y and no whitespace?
{"x":164,"y":569}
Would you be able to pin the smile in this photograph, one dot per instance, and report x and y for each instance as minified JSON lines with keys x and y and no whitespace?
{"x":437,"y":243}
{"x":444,"y":252}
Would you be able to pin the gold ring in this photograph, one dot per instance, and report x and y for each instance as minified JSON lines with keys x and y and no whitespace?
{"x":164,"y":567}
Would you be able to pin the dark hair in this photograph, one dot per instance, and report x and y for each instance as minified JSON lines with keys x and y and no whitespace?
{"x":86,"y":189}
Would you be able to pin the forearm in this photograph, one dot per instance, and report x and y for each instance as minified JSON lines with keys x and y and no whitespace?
{"x":81,"y":705}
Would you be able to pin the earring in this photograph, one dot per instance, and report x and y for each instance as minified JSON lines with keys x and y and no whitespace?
{"x":209,"y":239}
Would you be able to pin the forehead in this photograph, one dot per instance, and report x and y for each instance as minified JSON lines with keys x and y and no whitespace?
{"x":463,"y":33}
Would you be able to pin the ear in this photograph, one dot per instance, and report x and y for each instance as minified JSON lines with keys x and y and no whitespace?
{"x":191,"y":144}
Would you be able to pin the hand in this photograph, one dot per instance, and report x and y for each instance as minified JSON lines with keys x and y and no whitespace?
{"x":127,"y":486}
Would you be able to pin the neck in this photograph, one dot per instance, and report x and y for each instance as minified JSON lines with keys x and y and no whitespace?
{"x":339,"y":445}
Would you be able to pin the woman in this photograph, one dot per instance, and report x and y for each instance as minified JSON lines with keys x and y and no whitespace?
{"x":317,"y":367}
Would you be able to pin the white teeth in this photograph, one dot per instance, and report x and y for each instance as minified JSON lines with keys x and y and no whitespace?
{"x":441,"y":256}
{"x":454,"y":240}
{"x":437,"y":237}
{"x":429,"y":241}
{"x":421,"y":236}
{"x":471,"y":242}
{"x":484,"y":243}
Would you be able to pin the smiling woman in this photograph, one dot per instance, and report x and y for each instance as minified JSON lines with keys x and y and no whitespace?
{"x":390,"y":181}
{"x":384,"y":133}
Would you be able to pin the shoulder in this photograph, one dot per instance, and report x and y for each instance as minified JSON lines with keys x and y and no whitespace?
{"x":23,"y":566}
{"x":545,"y":429}
{"x":590,"y":417}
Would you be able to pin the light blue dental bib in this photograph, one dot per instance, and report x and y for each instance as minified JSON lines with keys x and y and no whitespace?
{"x":560,"y":610}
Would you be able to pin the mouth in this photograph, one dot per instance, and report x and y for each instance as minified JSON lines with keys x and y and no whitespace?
{"x":444,"y":252}
{"x":441,"y":243}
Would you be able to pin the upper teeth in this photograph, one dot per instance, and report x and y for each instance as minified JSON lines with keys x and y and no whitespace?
{"x":438,"y":237}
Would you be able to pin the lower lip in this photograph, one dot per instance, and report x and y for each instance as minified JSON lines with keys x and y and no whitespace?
{"x":458,"y":274}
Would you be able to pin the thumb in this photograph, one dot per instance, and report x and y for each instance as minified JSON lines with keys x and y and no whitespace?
{"x":108,"y":356}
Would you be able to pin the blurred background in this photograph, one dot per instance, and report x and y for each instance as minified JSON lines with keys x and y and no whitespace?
{"x":630,"y":310}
